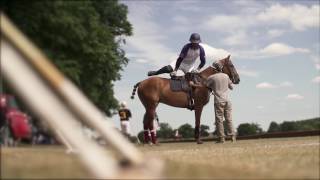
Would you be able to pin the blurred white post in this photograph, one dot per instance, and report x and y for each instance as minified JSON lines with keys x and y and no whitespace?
{"x":43,"y":102}
{"x":70,"y":149}
{"x":77,"y":102}
{"x":56,"y":100}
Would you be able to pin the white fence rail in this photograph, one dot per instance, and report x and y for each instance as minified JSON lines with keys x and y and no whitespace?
{"x":56,"y":100}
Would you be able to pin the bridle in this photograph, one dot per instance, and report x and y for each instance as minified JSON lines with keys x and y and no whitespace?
{"x":225,"y":64}
{"x":214,"y":65}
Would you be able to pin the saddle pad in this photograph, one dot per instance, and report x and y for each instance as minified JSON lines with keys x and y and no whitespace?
{"x":179,"y":85}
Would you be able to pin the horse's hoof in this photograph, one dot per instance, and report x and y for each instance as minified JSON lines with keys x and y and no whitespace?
{"x":199,"y":142}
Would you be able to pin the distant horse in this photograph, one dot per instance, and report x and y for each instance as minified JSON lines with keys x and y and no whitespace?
{"x":155,"y":90}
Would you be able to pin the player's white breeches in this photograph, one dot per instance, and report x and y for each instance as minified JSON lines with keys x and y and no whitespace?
{"x":183,"y":66}
{"x":125,"y":127}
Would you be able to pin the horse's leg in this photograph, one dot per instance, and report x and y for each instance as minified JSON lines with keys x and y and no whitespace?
{"x":146,"y":130}
{"x":150,"y":116}
{"x":198,"y":111}
{"x":148,"y":126}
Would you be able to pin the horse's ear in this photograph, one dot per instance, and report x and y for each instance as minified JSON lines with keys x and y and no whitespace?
{"x":229,"y":56}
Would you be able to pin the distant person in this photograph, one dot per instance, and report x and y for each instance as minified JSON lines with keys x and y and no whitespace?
{"x":187,"y":58}
{"x":220,"y":84}
{"x":177,"y":136}
{"x":124,"y":114}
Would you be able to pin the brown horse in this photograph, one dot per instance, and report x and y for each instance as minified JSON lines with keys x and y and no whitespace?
{"x":155,"y":90}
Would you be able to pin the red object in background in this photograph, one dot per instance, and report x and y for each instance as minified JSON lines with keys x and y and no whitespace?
{"x":17,"y":120}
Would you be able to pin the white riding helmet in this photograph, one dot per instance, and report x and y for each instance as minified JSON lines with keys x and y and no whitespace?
{"x":123,"y":104}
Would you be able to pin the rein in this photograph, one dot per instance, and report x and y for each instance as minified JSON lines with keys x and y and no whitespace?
{"x":201,"y":79}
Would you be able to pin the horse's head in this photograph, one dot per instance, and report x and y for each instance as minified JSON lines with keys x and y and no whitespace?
{"x":228,"y":68}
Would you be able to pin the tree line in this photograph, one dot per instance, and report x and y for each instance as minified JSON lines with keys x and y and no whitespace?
{"x":286,"y":126}
{"x":187,"y":131}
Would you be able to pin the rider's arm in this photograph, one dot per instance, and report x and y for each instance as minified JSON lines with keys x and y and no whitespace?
{"x":129,"y":113}
{"x":202,"y":58}
{"x":179,"y":60}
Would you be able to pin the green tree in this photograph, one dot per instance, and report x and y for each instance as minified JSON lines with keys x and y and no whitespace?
{"x":204,"y":130}
{"x":289,"y":126}
{"x":274,"y":127}
{"x":248,"y":129}
{"x":308,"y":124}
{"x":81,"y":37}
{"x":165,"y":131}
{"x":186,"y":131}
{"x":302,"y":125}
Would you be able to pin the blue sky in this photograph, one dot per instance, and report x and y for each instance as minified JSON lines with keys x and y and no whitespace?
{"x":273,"y":44}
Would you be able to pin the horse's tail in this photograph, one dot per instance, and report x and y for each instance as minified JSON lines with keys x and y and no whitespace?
{"x":134,"y":90}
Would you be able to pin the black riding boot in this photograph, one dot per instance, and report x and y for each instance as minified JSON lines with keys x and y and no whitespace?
{"x":165,"y":69}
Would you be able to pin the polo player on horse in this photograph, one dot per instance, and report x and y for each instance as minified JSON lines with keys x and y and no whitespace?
{"x":187,"y":58}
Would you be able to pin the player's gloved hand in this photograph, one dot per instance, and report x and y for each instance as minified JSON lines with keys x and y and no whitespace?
{"x":195,"y":71}
{"x":173,"y":73}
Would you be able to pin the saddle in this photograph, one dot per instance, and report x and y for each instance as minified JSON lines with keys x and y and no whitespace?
{"x":181,"y":83}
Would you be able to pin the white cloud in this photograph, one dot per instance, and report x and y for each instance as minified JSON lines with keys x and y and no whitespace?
{"x":238,"y":38}
{"x":286,"y":84}
{"x":271,"y":50}
{"x":294,"y":97}
{"x":316,"y":60}
{"x":317,"y":66}
{"x":142,"y":61}
{"x":275,"y":33}
{"x":147,"y":39}
{"x":214,"y":54}
{"x":300,"y":17}
{"x":297,"y":17}
{"x":189,"y":6}
{"x":180,"y":19}
{"x":265,"y":85}
{"x":278,"y":18}
{"x":316,"y":79}
{"x":248,"y":73}
{"x":278,"y":49}
{"x":226,"y":23}
{"x":260,"y":107}
{"x":235,"y":26}
{"x":246,"y":3}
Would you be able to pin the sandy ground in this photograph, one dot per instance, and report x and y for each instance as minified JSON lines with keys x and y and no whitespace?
{"x":284,"y":158}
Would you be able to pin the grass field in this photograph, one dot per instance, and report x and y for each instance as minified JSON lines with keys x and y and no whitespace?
{"x":284,"y":158}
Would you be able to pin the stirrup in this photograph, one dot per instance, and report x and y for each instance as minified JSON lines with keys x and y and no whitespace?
{"x":191,"y":104}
